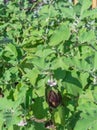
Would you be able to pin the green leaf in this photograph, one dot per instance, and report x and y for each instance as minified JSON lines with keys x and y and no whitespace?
{"x":84,"y":99}
{"x":59,"y":74}
{"x":40,"y":63}
{"x":12,"y":118}
{"x":84,"y":79}
{"x":36,"y":126}
{"x":6,"y":104}
{"x":72,"y":83}
{"x":87,"y":120}
{"x":9,"y":114}
{"x":86,"y":36}
{"x":95,"y":93}
{"x":7,"y":75}
{"x":44,"y":52}
{"x":85,"y":5}
{"x":89,"y":13}
{"x":59,"y":62}
{"x":61,"y":34}
{"x":53,"y":12}
{"x":12,"y":50}
{"x":39,"y":109}
{"x":68,"y":12}
{"x":20,"y":94}
{"x":40,"y":90}
{"x":32,"y":75}
{"x":59,"y":115}
{"x":95,"y":61}
{"x":1,"y":121}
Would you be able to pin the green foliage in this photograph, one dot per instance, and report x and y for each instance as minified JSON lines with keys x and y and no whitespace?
{"x":50,"y":45}
{"x":63,"y":32}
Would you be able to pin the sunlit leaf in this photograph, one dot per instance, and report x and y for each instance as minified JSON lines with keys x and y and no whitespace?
{"x":61,"y":34}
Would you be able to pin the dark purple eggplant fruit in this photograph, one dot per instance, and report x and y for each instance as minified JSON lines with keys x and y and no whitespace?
{"x":54,"y":98}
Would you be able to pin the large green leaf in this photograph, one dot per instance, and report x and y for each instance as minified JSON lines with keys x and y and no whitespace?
{"x":47,"y":12}
{"x":20,"y":94}
{"x":11,"y":49}
{"x":40,"y":63}
{"x":88,"y":110}
{"x":85,"y":5}
{"x":60,"y":62}
{"x":6,"y":104}
{"x":39,"y":109}
{"x":87,"y":120}
{"x":9,"y":113}
{"x":84,"y":79}
{"x":59,"y":115}
{"x":89,"y":13}
{"x":72,"y":83}
{"x":61,"y":34}
{"x":67,"y":11}
{"x":86,"y":36}
{"x":41,"y":87}
{"x":32,"y":75}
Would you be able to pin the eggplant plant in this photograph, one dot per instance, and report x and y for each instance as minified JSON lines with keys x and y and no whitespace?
{"x":48,"y":65}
